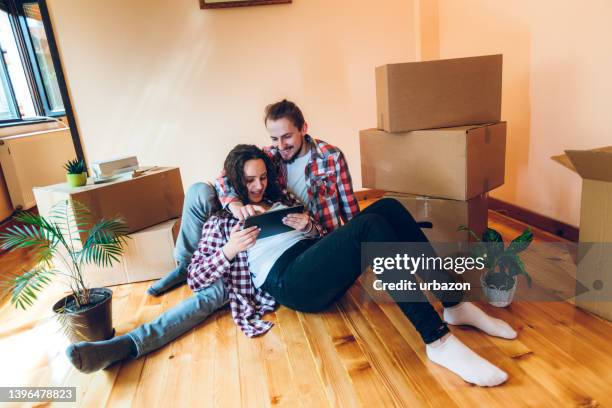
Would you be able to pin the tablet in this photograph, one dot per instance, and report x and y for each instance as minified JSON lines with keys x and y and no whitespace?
{"x":271,"y":222}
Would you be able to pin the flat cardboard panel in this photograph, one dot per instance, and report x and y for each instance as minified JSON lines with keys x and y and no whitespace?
{"x":455,"y":163}
{"x":596,"y":212}
{"x":151,"y":254}
{"x":147,"y":200}
{"x":442,"y":93}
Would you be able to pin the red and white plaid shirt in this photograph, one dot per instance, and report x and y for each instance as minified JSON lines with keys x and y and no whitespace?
{"x":328,"y":182}
{"x":208,"y":264}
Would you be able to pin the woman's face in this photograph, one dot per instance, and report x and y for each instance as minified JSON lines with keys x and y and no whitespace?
{"x":256,"y":179}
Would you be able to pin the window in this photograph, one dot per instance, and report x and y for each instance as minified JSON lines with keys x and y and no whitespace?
{"x":28,"y":81}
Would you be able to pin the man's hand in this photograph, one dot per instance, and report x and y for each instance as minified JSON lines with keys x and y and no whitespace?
{"x":300,"y":222}
{"x":240,"y":240}
{"x":242,"y":211}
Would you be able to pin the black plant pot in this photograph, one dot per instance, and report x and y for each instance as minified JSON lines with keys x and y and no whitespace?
{"x":92,"y":322}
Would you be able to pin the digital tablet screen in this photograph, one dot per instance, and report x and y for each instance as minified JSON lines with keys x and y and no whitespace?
{"x":271,"y":222}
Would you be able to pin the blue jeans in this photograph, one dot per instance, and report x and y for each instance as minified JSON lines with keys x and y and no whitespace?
{"x":200,"y":202}
{"x":178,"y":320}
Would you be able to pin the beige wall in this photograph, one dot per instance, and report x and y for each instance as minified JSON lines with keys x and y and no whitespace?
{"x":557,"y":64}
{"x":178,"y":85}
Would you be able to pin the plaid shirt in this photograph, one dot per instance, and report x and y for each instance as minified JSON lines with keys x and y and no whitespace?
{"x":208,"y":264}
{"x":328,"y":181}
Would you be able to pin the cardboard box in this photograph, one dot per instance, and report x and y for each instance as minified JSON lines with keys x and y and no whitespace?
{"x":435,"y":94}
{"x":148,"y":255}
{"x":446,"y":215}
{"x":595,"y":247}
{"x":456,"y":163}
{"x":144,"y":201}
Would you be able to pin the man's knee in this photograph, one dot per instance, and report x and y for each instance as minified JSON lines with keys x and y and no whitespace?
{"x":202,"y":196}
{"x":200,"y":192}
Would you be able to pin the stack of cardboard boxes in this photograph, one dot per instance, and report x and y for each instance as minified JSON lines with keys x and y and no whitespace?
{"x":439,"y":146}
{"x":151,"y":205}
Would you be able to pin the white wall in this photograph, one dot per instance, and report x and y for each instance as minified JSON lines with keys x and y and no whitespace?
{"x":177,"y":85}
{"x":557,"y":87}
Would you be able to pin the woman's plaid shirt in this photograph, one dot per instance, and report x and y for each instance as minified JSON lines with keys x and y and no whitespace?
{"x":247,"y":303}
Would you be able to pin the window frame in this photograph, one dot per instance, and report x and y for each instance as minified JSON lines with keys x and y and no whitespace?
{"x":25,"y":47}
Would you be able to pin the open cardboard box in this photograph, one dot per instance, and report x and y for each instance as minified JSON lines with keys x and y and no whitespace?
{"x":595,"y":249}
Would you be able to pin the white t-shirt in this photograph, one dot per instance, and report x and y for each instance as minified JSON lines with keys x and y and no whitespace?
{"x":266,"y":251}
{"x":296,"y":179}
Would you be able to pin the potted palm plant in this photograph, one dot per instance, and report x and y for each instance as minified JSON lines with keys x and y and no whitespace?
{"x":56,"y":244}
{"x":502,"y":264}
{"x":75,"y":173}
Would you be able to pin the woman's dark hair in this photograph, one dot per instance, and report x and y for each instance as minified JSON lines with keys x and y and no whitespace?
{"x":234,"y":171}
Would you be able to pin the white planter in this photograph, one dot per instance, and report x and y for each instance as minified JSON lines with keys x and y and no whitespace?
{"x":498,"y":297}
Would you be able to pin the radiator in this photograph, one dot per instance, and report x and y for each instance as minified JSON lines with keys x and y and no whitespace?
{"x":34,"y":160}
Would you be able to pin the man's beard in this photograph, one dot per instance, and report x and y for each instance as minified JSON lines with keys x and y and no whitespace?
{"x":295,"y":155}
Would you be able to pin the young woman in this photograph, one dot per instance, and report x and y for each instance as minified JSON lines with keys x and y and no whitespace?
{"x":306,"y":273}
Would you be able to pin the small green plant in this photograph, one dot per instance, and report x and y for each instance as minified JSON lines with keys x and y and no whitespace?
{"x":75,"y":166}
{"x":503,"y":263}
{"x":56,"y":239}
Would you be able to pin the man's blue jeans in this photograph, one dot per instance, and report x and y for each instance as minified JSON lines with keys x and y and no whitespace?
{"x":178,"y":320}
{"x":200,"y":202}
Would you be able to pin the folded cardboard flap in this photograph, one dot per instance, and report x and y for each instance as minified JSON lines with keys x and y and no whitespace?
{"x":594,"y":164}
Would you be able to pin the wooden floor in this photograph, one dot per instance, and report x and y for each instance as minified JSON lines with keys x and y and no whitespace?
{"x":358,"y":353}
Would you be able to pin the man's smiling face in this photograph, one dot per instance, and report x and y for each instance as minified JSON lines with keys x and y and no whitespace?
{"x":288,"y":139}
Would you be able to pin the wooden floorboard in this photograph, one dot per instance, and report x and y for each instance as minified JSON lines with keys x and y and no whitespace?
{"x":360,"y":352}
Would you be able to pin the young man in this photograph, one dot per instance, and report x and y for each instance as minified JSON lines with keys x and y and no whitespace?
{"x":314,"y":171}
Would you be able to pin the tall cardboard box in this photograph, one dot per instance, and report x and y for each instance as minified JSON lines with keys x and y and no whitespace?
{"x":446,"y":215}
{"x":457,"y":163}
{"x":144,"y":201}
{"x":148,"y":255}
{"x":435,"y":94}
{"x":595,"y":239}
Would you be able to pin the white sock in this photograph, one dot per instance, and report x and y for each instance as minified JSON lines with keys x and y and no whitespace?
{"x":461,"y":360}
{"x":470,"y":314}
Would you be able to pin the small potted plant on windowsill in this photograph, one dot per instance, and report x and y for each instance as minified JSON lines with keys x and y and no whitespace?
{"x":75,"y":173}
{"x":85,"y":314}
{"x":502,"y":264}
